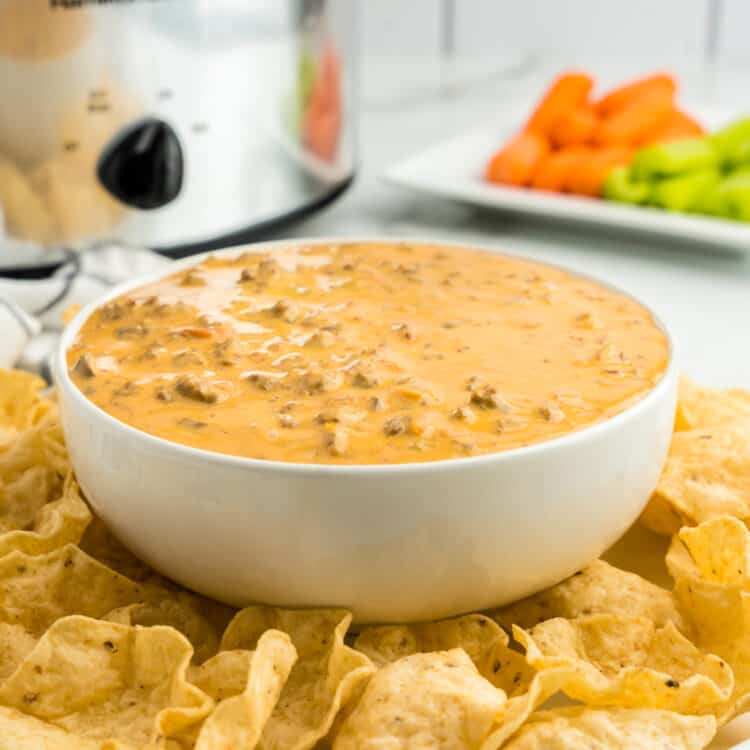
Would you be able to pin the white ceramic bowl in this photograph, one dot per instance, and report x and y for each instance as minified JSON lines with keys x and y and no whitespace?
{"x":391,"y":542}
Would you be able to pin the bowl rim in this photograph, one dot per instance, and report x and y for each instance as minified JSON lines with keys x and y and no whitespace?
{"x":90,"y":409}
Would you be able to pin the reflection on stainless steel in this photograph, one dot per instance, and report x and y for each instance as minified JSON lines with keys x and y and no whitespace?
{"x":173,"y":122}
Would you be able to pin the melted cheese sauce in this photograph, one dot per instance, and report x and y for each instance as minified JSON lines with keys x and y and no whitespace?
{"x":367,"y":353}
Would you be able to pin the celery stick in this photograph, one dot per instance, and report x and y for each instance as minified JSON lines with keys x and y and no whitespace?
{"x":620,"y":186}
{"x":735,"y":191}
{"x":733,"y":143}
{"x":685,"y":192}
{"x":677,"y":157}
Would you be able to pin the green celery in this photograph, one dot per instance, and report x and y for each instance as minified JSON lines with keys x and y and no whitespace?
{"x":675,"y":158}
{"x":620,"y":186}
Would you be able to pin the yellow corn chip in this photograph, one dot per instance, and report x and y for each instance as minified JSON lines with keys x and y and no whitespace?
{"x":710,"y":566}
{"x":326,"y":676}
{"x":706,"y":407}
{"x":580,"y":728}
{"x":225,"y":675}
{"x":517,"y":710}
{"x":426,"y":700}
{"x":249,"y":685}
{"x":25,"y":495}
{"x":597,"y":589}
{"x":620,"y":661}
{"x":35,"y":591}
{"x":15,"y":643}
{"x":487,"y":646}
{"x":103,"y":681}
{"x":58,"y":520}
{"x":177,"y":609}
{"x":480,"y":637}
{"x":716,"y":551}
{"x":21,"y":732}
{"x":101,"y":544}
{"x":21,"y":405}
{"x":643,"y":552}
{"x":661,"y":516}
{"x":200,"y":619}
{"x":30,"y":474}
{"x":41,"y":444}
{"x":707,"y":475}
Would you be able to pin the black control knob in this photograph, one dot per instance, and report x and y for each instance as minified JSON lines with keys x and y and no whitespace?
{"x":143,"y":165}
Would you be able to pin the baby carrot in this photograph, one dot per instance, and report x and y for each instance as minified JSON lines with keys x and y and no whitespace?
{"x":553,"y":170}
{"x":623,"y":96}
{"x":574,"y":127}
{"x":515,"y":163}
{"x":679,"y":125}
{"x":591,"y":171}
{"x":568,"y":91}
{"x":636,"y":121}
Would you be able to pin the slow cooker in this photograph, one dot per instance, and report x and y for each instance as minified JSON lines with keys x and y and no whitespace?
{"x":177,"y":125}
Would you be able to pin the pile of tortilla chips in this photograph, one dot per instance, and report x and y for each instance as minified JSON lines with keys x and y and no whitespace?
{"x":98,"y":652}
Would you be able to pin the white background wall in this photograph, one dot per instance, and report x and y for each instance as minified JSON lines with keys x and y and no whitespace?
{"x":658,"y":31}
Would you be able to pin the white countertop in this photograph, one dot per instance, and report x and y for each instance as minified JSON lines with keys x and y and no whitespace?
{"x":702,"y":294}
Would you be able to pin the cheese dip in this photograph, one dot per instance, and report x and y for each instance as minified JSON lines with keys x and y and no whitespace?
{"x":368,"y":353}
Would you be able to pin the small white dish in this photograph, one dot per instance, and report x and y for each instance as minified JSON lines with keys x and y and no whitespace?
{"x":394,"y":543}
{"x":453,"y":169}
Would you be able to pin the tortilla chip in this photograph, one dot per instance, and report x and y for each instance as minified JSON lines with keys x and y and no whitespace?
{"x":626,"y":661}
{"x":426,"y":700}
{"x":101,"y":544}
{"x":237,"y":722}
{"x":226,"y":674}
{"x":35,"y":591}
{"x":580,"y":728}
{"x":597,"y":589}
{"x":716,"y":551}
{"x":40,"y":505}
{"x":706,"y":407}
{"x":710,"y":566}
{"x":21,"y":732}
{"x":15,"y":643}
{"x":661,"y":516}
{"x":181,"y":610}
{"x":21,"y":404}
{"x":480,"y":637}
{"x":487,"y":646}
{"x":41,"y":444}
{"x":326,"y":676}
{"x":58,"y":516}
{"x":642,"y":552}
{"x":202,"y":621}
{"x":707,"y":475}
{"x":103,"y":681}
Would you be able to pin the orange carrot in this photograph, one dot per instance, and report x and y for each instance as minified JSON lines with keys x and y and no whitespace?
{"x":553,"y":170}
{"x":321,"y":133}
{"x":590,"y":172}
{"x":568,"y":91}
{"x":574,"y":127}
{"x":636,"y":121}
{"x":679,"y":125}
{"x":623,"y":96}
{"x":321,"y":121}
{"x":515,"y":163}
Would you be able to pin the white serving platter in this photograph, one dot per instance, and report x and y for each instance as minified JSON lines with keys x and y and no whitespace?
{"x":453,"y":169}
